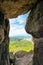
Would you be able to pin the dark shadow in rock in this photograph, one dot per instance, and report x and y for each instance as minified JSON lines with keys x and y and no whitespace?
{"x":38,"y":51}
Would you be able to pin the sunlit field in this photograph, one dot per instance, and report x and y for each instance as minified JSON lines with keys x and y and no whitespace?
{"x":16,"y":45}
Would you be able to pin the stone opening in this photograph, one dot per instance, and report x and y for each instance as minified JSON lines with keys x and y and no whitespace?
{"x":18,"y":32}
{"x":20,"y":41}
{"x":35,"y":27}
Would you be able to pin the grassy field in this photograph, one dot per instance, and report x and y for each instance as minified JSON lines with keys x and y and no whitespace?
{"x":20,"y":45}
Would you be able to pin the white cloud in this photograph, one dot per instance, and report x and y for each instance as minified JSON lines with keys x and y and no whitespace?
{"x":18,"y":32}
{"x":17,"y":26}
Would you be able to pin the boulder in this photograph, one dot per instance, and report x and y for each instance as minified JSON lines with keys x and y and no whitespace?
{"x":24,"y":58}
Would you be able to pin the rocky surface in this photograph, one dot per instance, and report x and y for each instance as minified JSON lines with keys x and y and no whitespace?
{"x":34,"y":23}
{"x":24,"y":58}
{"x":21,"y":58}
{"x":4,"y":40}
{"x":34,"y":26}
{"x":13,"y":8}
{"x":38,"y":51}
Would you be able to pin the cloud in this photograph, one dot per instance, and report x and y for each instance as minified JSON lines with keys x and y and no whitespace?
{"x":17,"y":26}
{"x":18,"y":32}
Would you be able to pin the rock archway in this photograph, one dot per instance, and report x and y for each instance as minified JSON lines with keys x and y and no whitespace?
{"x":34,"y":26}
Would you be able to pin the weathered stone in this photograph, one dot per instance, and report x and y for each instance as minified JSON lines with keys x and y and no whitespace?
{"x":24,"y":58}
{"x":4,"y":40}
{"x":34,"y":26}
{"x":1,"y":27}
{"x":38,"y":51}
{"x":34,"y":23}
{"x":13,"y":8}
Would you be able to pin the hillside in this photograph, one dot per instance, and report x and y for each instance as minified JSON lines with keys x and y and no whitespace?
{"x":16,"y":45}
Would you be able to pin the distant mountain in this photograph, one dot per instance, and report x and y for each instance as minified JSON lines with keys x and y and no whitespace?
{"x":19,"y":37}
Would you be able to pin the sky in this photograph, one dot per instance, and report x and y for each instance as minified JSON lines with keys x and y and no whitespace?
{"x":17,"y":26}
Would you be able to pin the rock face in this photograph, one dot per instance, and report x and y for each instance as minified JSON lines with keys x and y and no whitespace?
{"x":24,"y":58}
{"x":4,"y":40}
{"x":34,"y":23}
{"x":13,"y":8}
{"x":34,"y":26}
{"x":21,"y":58}
{"x":38,"y":51}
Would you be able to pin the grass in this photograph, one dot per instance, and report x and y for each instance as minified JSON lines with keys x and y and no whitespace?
{"x":16,"y":45}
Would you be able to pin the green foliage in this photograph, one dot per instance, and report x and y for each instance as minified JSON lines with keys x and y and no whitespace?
{"x":20,"y":45}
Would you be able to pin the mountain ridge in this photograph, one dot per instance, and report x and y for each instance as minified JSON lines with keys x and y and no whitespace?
{"x":19,"y":37}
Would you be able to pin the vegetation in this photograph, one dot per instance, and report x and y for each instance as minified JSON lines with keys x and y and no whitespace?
{"x":16,"y":45}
